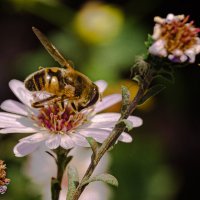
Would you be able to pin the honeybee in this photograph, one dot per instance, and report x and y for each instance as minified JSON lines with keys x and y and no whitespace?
{"x":61,"y":83}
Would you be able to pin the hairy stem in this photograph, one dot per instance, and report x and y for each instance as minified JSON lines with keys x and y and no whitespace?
{"x":116,"y":132}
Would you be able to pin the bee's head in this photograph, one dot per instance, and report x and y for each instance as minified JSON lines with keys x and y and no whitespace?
{"x":93,"y":98}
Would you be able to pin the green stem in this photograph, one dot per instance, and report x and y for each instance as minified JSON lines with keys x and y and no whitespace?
{"x":62,"y":160}
{"x":112,"y":138}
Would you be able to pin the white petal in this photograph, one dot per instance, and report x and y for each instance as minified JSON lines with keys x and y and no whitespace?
{"x":20,"y":92}
{"x":79,"y":140}
{"x":18,"y":130}
{"x":13,"y":120}
{"x":170,"y":17}
{"x":104,"y":117}
{"x":24,"y":148}
{"x":106,"y":124}
{"x":98,"y":134}
{"x":53,"y":141}
{"x":157,"y":31}
{"x":158,"y":48}
{"x":107,"y":102}
{"x":125,"y":137}
{"x":14,"y":107}
{"x":183,"y":58}
{"x":6,"y":122}
{"x":66,"y":142}
{"x":137,"y":121}
{"x":9,"y":116}
{"x":102,"y":85}
{"x":35,"y":138}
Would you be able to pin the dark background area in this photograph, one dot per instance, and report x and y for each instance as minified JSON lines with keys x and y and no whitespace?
{"x":171,"y":132}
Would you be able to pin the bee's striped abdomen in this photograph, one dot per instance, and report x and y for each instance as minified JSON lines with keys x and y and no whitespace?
{"x":36,"y":81}
{"x":39,"y":80}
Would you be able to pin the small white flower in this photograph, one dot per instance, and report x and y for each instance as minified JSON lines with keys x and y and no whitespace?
{"x":176,"y":38}
{"x":56,"y":127}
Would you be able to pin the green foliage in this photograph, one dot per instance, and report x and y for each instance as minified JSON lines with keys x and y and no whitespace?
{"x":93,"y":145}
{"x":73,"y":181}
{"x":149,"y":41}
{"x":140,"y":70}
{"x":107,"y":178}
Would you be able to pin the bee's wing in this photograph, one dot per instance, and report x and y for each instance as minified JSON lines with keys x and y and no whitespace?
{"x":52,"y":49}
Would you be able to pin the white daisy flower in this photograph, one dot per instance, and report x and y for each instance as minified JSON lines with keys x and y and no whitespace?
{"x":55,"y":126}
{"x":176,"y":38}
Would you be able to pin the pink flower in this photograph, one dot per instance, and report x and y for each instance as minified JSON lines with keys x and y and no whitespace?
{"x":176,"y":38}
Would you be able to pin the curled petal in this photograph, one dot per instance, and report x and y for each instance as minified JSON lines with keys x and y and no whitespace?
{"x":25,"y":148}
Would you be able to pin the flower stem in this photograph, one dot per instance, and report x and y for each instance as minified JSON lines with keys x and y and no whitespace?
{"x":62,"y":160}
{"x":112,"y":138}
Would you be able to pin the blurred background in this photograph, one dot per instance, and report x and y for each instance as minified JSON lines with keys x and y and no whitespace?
{"x":102,"y":39}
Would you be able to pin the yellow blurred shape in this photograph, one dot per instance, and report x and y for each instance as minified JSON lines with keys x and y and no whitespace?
{"x":133,"y":88}
{"x":98,"y":23}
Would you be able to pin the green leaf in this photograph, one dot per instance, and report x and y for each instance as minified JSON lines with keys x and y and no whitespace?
{"x":125,"y":99}
{"x":139,"y":70}
{"x":154,"y":90}
{"x":107,"y":178}
{"x":129,"y":124}
{"x":149,"y":41}
{"x":93,"y":144}
{"x":73,"y":181}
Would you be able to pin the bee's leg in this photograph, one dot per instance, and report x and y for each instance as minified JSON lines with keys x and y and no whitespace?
{"x":40,"y":104}
{"x":60,"y":102}
{"x":74,"y":106}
